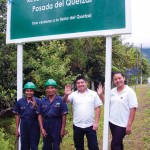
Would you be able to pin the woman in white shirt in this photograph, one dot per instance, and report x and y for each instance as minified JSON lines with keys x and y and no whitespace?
{"x":123,"y":104}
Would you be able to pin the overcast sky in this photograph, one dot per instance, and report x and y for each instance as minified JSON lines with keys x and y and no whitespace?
{"x":140,"y":13}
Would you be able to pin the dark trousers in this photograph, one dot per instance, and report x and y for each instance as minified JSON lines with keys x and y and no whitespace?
{"x":79,"y":138}
{"x":30,"y":134}
{"x":52,"y":127}
{"x":118,"y":133}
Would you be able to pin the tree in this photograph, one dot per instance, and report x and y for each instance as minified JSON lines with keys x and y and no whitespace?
{"x":7,"y":64}
{"x":49,"y":61}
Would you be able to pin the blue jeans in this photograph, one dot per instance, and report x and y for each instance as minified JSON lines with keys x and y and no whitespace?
{"x":79,"y":138}
{"x":118,"y":133}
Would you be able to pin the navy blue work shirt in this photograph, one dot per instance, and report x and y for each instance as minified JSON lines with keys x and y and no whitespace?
{"x":56,"y":108}
{"x":26,"y":109}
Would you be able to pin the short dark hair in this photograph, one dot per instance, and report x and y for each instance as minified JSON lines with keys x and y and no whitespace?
{"x":114,"y":73}
{"x":79,"y":78}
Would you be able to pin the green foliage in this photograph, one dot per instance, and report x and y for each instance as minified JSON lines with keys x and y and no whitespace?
{"x":4,"y":143}
{"x":51,"y":62}
{"x":7,"y":133}
{"x":7,"y":98}
{"x":7,"y":73}
{"x":87,"y":57}
{"x":123,"y":56}
{"x":7,"y":64}
{"x":2,"y":16}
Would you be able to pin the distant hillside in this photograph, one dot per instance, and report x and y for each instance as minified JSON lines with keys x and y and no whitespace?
{"x":146,"y":53}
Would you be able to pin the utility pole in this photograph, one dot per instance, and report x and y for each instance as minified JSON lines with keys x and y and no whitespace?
{"x":141,"y":63}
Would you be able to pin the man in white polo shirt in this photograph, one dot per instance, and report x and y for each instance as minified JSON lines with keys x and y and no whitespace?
{"x":86,"y":113}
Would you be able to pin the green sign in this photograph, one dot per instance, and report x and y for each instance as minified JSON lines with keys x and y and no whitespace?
{"x":36,"y":20}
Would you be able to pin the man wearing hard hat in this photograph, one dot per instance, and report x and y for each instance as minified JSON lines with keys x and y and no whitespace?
{"x":52,"y":117}
{"x":27,"y":118}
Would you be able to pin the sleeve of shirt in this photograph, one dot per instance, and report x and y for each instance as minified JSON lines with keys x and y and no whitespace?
{"x":17,"y":109}
{"x":64,"y":108}
{"x":70,"y":97}
{"x":98,"y":101}
{"x":132,"y":99}
{"x":39,"y":109}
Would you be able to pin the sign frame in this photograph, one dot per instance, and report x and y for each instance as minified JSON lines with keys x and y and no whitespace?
{"x":126,"y":30}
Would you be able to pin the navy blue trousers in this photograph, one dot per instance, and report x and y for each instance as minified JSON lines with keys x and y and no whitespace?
{"x":30,"y":134}
{"x":118,"y":133}
{"x":79,"y":138}
{"x":52,"y":127}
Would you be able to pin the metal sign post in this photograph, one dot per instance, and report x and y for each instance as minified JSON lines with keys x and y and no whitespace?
{"x":19,"y":70}
{"x":107,"y":90}
{"x":19,"y":75}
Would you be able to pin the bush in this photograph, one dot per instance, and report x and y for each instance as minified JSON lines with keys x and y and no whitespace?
{"x":7,"y":133}
{"x":4,"y":143}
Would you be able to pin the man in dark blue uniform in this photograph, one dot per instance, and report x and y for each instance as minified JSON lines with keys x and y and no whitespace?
{"x":27,"y":119}
{"x":52,"y":117}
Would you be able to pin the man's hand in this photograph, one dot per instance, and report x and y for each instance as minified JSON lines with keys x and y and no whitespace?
{"x":128,"y":129}
{"x":100,"y":90}
{"x":33,"y":101}
{"x":95,"y":126}
{"x":68,"y":89}
{"x":43,"y":132}
{"x":62,"y":133}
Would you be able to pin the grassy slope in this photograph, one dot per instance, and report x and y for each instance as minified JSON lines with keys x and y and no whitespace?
{"x":138,"y":140}
{"x":140,"y":137}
